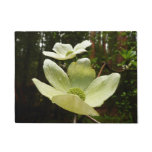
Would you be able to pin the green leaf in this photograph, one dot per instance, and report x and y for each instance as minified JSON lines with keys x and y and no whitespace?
{"x":74,"y":104}
{"x":45,"y":89}
{"x":56,"y":76}
{"x":101,"y":89}
{"x":81,"y":74}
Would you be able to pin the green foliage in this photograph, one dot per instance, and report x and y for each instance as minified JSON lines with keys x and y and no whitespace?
{"x":128,"y":55}
{"x":130,"y":59}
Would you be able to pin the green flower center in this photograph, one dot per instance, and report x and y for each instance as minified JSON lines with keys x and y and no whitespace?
{"x":69,"y":52}
{"x":78,"y":92}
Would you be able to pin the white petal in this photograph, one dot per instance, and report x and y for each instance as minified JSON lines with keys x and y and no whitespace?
{"x":53,"y":55}
{"x":82,"y":45}
{"x":56,"y":76}
{"x":70,"y":56}
{"x":59,"y":56}
{"x":45,"y":89}
{"x":62,"y":49}
{"x":81,"y":73}
{"x":79,"y":51}
{"x":101,"y":89}
{"x":74,"y":104}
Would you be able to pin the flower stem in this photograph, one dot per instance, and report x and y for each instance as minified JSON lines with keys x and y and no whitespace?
{"x":75,"y":118}
{"x":101,"y":69}
{"x":92,"y":119}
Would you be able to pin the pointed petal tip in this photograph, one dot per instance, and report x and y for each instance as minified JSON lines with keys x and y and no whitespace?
{"x":47,"y":62}
{"x":88,"y":42}
{"x":84,"y":61}
{"x":116,"y":75}
{"x":45,"y":53}
{"x":34,"y":80}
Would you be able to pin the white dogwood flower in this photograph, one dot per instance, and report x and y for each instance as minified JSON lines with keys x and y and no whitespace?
{"x":66,"y":51}
{"x":78,"y":91}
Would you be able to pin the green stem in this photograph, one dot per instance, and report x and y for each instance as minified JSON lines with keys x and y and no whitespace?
{"x":75,"y":118}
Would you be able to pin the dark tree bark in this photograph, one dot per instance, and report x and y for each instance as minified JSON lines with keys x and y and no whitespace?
{"x":39,"y":68}
{"x":28,"y":49}
{"x":92,"y":38}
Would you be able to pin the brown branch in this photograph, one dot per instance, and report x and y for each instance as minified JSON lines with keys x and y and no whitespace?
{"x":101,"y":69}
{"x":94,"y":120}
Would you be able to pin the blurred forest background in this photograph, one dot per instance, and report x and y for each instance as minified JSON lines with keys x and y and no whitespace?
{"x":116,"y":51}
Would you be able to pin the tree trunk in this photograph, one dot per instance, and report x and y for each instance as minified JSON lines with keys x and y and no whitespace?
{"x":27,"y":58}
{"x":39,"y":68}
{"x":92,"y":38}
